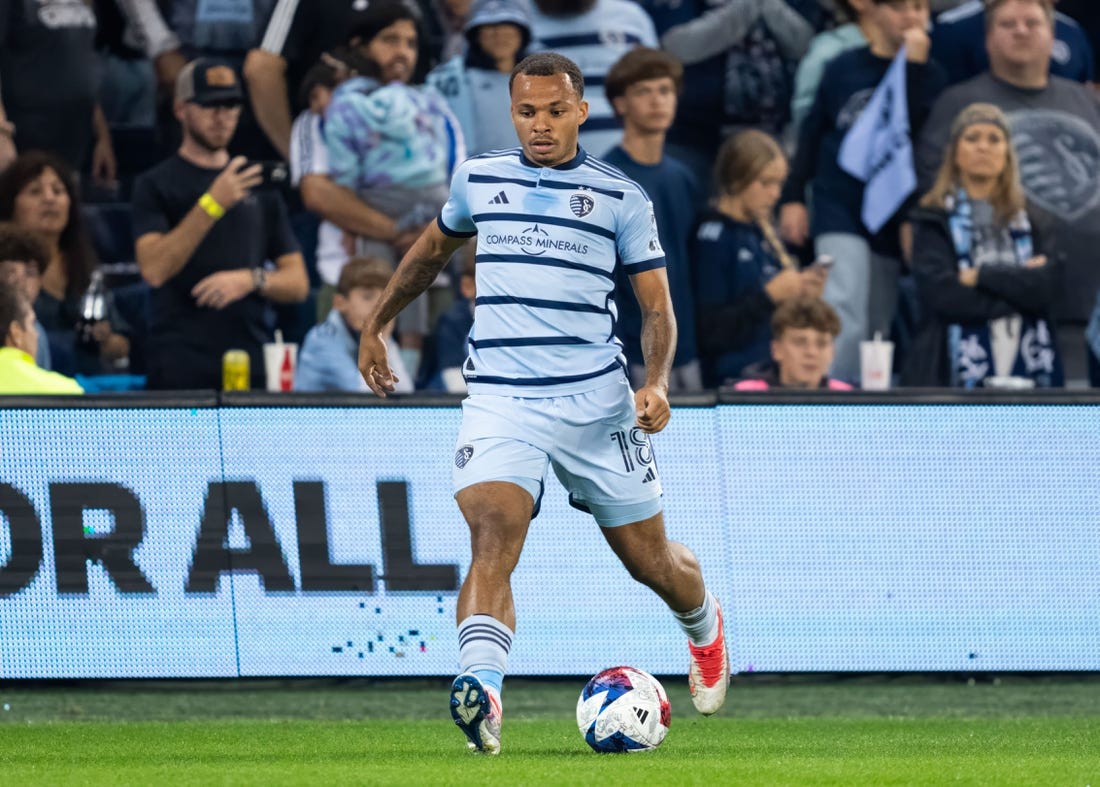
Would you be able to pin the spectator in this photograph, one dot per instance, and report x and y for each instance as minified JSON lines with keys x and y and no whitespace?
{"x":741,"y":57}
{"x":824,"y":47}
{"x":451,"y":18}
{"x":296,"y":36}
{"x":1055,"y":126}
{"x":743,"y":270}
{"x":395,"y":144}
{"x":203,"y":238}
{"x":146,"y":26}
{"x":339,"y":209}
{"x":642,"y":89}
{"x":983,"y":274}
{"x":18,"y":372}
{"x":863,"y":285}
{"x":48,"y":70}
{"x":23,"y":258}
{"x":330,"y":352}
{"x":476,"y":84}
{"x":227,"y":32}
{"x":452,"y":331}
{"x":803,"y":333}
{"x":127,"y":89}
{"x":1087,"y":14}
{"x":958,"y":44}
{"x":38,"y":193}
{"x":594,"y":34}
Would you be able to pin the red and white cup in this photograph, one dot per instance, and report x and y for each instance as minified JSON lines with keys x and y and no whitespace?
{"x":876,"y":360}
{"x":280,"y":363}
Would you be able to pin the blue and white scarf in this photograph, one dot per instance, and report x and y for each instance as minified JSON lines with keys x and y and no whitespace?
{"x":970,"y":346}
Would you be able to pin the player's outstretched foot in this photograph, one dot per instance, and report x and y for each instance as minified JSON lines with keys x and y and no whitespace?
{"x":476,"y":710}
{"x":709,"y":674}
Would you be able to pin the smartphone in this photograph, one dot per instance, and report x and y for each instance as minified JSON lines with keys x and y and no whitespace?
{"x":823,"y":261}
{"x":273,"y":174}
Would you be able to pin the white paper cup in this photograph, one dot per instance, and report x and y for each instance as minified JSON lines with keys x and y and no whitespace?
{"x":280,"y":363}
{"x":876,"y":360}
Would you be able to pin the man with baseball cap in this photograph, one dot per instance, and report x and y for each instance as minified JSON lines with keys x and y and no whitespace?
{"x":209,"y":83}
{"x":204,"y":239}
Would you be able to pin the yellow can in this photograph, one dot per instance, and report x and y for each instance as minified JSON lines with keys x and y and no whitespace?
{"x":236,"y":374}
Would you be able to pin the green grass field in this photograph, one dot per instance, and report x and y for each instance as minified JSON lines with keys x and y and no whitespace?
{"x":797,"y":730}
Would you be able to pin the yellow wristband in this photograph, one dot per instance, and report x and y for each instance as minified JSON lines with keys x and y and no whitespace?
{"x":211,"y":206}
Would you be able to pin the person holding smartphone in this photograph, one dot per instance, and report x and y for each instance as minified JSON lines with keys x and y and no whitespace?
{"x":743,"y":270}
{"x":204,"y":231}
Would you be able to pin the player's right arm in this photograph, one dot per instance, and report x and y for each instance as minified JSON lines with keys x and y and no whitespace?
{"x":421,"y":264}
{"x":417,"y":271}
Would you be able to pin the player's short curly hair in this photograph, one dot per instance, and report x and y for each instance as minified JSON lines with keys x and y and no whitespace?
{"x":547,"y":64}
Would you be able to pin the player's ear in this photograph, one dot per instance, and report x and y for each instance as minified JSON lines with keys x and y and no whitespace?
{"x":583,"y":111}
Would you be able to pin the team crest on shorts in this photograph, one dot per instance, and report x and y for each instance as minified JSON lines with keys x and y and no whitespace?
{"x":581,"y":205}
{"x":462,"y":456}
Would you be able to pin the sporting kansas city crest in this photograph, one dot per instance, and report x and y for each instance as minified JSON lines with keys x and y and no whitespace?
{"x":462,"y":456}
{"x":581,"y":204}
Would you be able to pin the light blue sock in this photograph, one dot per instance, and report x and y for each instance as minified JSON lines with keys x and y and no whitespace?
{"x":490,"y":677}
{"x":483,"y":646}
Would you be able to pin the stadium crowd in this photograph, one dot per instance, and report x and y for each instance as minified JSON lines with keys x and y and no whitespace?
{"x":181,"y":178}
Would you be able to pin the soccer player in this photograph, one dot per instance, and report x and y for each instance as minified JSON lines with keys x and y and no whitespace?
{"x":547,"y":382}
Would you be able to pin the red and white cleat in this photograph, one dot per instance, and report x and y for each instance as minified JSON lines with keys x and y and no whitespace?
{"x":709,"y":674}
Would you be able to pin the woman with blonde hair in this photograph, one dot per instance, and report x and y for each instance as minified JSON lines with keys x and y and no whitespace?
{"x":986,"y":280}
{"x":742,"y":269}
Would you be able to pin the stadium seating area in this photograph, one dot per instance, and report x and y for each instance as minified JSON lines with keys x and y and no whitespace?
{"x":758,"y":71}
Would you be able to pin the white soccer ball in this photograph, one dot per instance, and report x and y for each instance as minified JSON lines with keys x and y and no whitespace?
{"x":623,"y":709}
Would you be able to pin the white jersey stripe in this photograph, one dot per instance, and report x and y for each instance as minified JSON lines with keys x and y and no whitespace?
{"x":526,"y":259}
{"x":278,"y":28}
{"x":554,"y":220}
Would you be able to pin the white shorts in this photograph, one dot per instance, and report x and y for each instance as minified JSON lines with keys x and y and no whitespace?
{"x":598,"y":453}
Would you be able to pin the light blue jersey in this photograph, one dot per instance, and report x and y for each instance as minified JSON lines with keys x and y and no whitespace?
{"x":595,"y":40}
{"x":548,"y":241}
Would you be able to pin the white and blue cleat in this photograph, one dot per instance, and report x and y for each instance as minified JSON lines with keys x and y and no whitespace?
{"x":476,"y":710}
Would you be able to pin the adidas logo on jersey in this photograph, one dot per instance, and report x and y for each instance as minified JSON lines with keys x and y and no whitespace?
{"x":649,"y":476}
{"x":499,"y":199}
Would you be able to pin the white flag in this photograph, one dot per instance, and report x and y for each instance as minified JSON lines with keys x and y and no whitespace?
{"x":877,"y":149}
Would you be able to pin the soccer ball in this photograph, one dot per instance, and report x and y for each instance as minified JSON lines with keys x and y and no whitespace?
{"x":623,"y":709}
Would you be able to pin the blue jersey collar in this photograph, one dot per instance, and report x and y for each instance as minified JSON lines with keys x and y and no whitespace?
{"x":573,"y":163}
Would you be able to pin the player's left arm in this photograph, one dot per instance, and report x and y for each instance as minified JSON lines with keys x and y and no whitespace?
{"x":658,"y":348}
